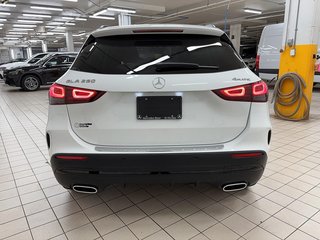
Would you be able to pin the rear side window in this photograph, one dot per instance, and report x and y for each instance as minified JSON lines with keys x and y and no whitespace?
{"x":36,"y":58}
{"x":41,"y":55}
{"x":61,"y":60}
{"x":157,"y":54}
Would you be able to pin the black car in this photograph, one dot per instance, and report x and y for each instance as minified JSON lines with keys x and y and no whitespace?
{"x":30,"y":77}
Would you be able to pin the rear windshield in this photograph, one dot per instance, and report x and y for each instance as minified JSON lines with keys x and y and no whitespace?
{"x":157,"y":54}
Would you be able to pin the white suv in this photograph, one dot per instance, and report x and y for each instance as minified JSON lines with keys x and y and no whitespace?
{"x":158,"y":103}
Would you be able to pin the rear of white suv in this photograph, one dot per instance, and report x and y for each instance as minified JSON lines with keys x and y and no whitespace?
{"x":158,"y":103}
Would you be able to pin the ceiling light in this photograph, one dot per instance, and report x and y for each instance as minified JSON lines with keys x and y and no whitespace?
{"x":5,"y":13}
{"x":50,"y":26}
{"x":36,"y":15}
{"x":100,"y":12}
{"x":55,"y":41}
{"x":47,"y":8}
{"x":23,"y":29}
{"x":115,"y":9}
{"x":18,"y":33}
{"x":68,"y":18}
{"x":81,"y":19}
{"x":70,"y":24}
{"x":29,"y":21}
{"x":102,"y":17}
{"x":79,"y":35}
{"x":70,"y":0}
{"x":56,"y":23}
{"x":3,"y":20}
{"x":24,"y":26}
{"x":255,"y":11}
{"x":11,"y":38}
{"x":47,"y":33}
{"x":1,"y":24}
{"x":61,"y":33}
{"x":60,"y":27}
{"x":7,"y":5}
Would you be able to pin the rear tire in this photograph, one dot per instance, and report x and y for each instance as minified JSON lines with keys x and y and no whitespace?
{"x":30,"y":83}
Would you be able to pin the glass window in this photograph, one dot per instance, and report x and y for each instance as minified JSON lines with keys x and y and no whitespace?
{"x":36,"y":58}
{"x":157,"y":54}
{"x":61,"y":60}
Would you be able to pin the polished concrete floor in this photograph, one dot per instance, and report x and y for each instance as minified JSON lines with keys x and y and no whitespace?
{"x":285,"y":204}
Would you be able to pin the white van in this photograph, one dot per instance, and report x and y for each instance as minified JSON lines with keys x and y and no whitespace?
{"x":268,"y":57}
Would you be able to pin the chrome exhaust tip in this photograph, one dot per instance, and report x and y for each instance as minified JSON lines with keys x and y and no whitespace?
{"x":84,"y":189}
{"x":234,"y":187}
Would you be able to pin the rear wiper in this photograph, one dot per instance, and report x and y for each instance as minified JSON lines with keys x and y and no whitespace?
{"x":115,"y":59}
{"x":172,"y":66}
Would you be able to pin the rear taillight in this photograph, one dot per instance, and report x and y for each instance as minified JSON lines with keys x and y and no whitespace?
{"x":257,"y":63}
{"x":59,"y":94}
{"x":57,"y":91}
{"x":259,"y":89}
{"x":255,"y":92}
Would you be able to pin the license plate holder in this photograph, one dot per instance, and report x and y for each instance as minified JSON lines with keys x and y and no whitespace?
{"x":159,"y":108}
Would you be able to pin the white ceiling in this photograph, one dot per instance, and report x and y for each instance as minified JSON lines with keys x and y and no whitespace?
{"x":147,"y":11}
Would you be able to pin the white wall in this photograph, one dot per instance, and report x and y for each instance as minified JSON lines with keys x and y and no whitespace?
{"x":16,"y":53}
{"x":4,"y":55}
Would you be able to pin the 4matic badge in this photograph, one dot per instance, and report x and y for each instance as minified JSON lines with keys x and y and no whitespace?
{"x":241,"y":79}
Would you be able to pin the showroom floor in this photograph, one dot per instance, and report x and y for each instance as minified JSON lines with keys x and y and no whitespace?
{"x":284,"y":205}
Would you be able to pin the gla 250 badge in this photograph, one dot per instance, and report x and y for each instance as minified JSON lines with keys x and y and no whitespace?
{"x":81,"y":81}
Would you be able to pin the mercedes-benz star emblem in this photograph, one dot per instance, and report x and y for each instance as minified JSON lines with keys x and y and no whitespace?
{"x":159,"y":83}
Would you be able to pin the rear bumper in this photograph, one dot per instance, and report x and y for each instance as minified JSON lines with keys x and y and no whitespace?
{"x":100,"y":170}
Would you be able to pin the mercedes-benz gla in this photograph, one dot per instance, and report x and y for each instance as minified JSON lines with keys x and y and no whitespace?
{"x":158,"y":103}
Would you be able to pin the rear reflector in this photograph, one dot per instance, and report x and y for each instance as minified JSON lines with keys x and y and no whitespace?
{"x":257,"y":63}
{"x":158,"y":31}
{"x":59,"y":94}
{"x":246,"y":155}
{"x":69,"y":157}
{"x":254,"y":92}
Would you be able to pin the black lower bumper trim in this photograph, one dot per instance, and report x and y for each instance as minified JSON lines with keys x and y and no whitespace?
{"x":100,"y":170}
{"x":9,"y":82}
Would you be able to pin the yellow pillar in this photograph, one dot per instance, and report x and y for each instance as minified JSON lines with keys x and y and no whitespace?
{"x":302,"y":26}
